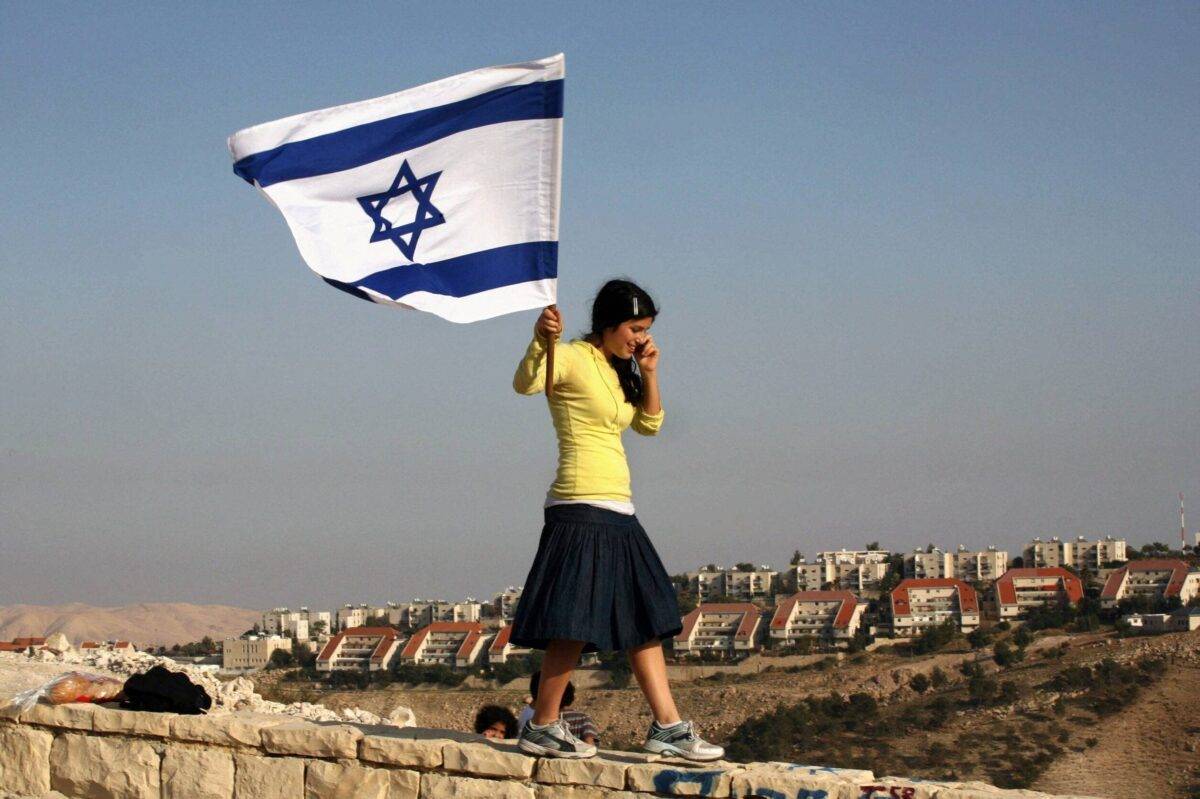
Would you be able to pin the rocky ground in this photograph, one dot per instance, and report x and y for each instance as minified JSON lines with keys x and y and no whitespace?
{"x":20,"y":673}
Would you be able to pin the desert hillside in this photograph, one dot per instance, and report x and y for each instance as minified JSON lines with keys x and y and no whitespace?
{"x":145,"y":624}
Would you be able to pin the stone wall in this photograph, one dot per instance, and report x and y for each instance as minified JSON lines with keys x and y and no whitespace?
{"x":90,"y":752}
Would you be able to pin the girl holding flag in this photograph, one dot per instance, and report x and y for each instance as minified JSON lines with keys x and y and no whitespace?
{"x":597,"y":583}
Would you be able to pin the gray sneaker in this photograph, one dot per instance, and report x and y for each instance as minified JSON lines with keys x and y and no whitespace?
{"x":680,"y":740}
{"x":553,"y":740}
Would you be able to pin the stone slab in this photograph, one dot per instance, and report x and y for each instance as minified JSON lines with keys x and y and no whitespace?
{"x":674,"y":779}
{"x":488,"y":760}
{"x":393,"y":751}
{"x":403,"y":784}
{"x":73,"y":716}
{"x":130,"y":768}
{"x":226,"y":729}
{"x":344,"y":779}
{"x":197,"y":772}
{"x":257,"y":777}
{"x":132,"y":722}
{"x":594,"y":771}
{"x":582,"y":792}
{"x":312,"y":740}
{"x":448,"y":786}
{"x":25,"y":760}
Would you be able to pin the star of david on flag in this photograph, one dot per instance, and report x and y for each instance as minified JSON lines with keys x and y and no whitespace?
{"x":443,"y":198}
{"x":427,"y":215}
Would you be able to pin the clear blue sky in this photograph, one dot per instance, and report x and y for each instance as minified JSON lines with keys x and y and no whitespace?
{"x":929,"y":273}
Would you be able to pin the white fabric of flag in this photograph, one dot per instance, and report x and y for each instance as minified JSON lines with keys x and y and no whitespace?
{"x":443,"y":198}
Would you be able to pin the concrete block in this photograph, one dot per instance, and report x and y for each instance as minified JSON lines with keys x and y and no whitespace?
{"x":312,"y":740}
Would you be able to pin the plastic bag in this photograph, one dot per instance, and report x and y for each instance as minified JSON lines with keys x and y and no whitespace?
{"x":73,"y":686}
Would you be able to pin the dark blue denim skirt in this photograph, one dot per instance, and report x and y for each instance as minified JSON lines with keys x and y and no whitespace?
{"x":596,"y":578}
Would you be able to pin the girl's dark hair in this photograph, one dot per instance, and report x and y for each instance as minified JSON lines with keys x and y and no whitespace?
{"x":619,"y":301}
{"x":490,"y":714}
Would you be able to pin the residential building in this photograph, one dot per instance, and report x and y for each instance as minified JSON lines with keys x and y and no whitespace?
{"x":359,"y":649}
{"x":506,"y":602}
{"x":500,"y":650}
{"x":457,"y":644}
{"x":1182,"y":620}
{"x":849,"y":570}
{"x":1079,"y":554}
{"x":349,"y":616}
{"x":123,"y":647}
{"x":744,"y":586}
{"x":920,"y":603}
{"x":962,"y":564}
{"x":829,"y":616}
{"x":252,"y":652}
{"x":25,"y":644}
{"x":725,"y":628}
{"x":423,"y":612}
{"x":1154,"y":577}
{"x":1018,"y":590}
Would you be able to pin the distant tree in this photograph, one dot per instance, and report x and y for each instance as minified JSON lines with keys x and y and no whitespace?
{"x":1022,"y":637}
{"x":919,"y":683}
{"x":979,"y":638}
{"x":281,"y":659}
{"x":744,"y":567}
{"x":1017,"y":563}
{"x":982,"y":689}
{"x":930,"y":548}
{"x":1005,"y":654}
{"x":317,"y":627}
{"x":937,"y":677}
{"x":873,"y":546}
{"x":796,"y":557}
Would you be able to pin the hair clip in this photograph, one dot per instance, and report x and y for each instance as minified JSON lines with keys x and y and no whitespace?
{"x":635,"y":311}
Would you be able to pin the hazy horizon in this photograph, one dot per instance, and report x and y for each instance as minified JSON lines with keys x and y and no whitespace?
{"x":928,"y":274}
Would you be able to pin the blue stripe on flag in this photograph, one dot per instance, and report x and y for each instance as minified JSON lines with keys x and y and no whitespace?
{"x":464,"y":275}
{"x":371,"y":141}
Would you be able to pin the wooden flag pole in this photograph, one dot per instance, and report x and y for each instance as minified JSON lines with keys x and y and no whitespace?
{"x":550,"y":363}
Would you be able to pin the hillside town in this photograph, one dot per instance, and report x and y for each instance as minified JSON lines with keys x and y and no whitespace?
{"x":838,"y":600}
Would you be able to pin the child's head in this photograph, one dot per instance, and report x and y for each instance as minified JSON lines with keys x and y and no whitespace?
{"x":497,"y":722}
{"x":568,"y":695}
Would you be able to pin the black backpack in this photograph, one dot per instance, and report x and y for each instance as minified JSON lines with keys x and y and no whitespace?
{"x":163,"y":691}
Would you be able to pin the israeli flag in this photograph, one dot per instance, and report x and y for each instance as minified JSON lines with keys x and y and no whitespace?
{"x":443,"y":198}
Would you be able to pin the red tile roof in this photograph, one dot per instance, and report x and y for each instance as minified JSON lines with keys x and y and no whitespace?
{"x":968,"y":601}
{"x":29,"y":641}
{"x":89,"y":645}
{"x":9,"y":646}
{"x":1178,"y":569}
{"x":745,"y":626}
{"x":473,"y":629}
{"x":1060,"y":578}
{"x":386,"y":636}
{"x":844,"y":614}
{"x":501,"y":639}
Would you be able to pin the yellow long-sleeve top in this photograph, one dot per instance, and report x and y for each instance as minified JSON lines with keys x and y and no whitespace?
{"x":589,"y":411}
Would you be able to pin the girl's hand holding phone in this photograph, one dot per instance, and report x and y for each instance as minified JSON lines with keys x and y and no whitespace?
{"x":646,"y":355}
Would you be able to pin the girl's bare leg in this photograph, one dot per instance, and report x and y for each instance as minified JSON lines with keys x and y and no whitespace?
{"x":560,"y":660}
{"x":650,"y":669}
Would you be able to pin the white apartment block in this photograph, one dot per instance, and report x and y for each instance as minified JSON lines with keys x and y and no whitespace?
{"x":506,"y":601}
{"x":422,"y":613}
{"x":359,"y":649}
{"x":849,"y":570}
{"x":962,"y":564}
{"x":1155,"y":578}
{"x":123,"y":647}
{"x":349,"y":616}
{"x":830,"y":616}
{"x":251,"y":653}
{"x":726,"y":628}
{"x":918,"y":604}
{"x":501,"y":650}
{"x":457,"y":644}
{"x":744,"y":586}
{"x":1184,"y":620}
{"x":1079,"y":554}
{"x":1018,"y":590}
